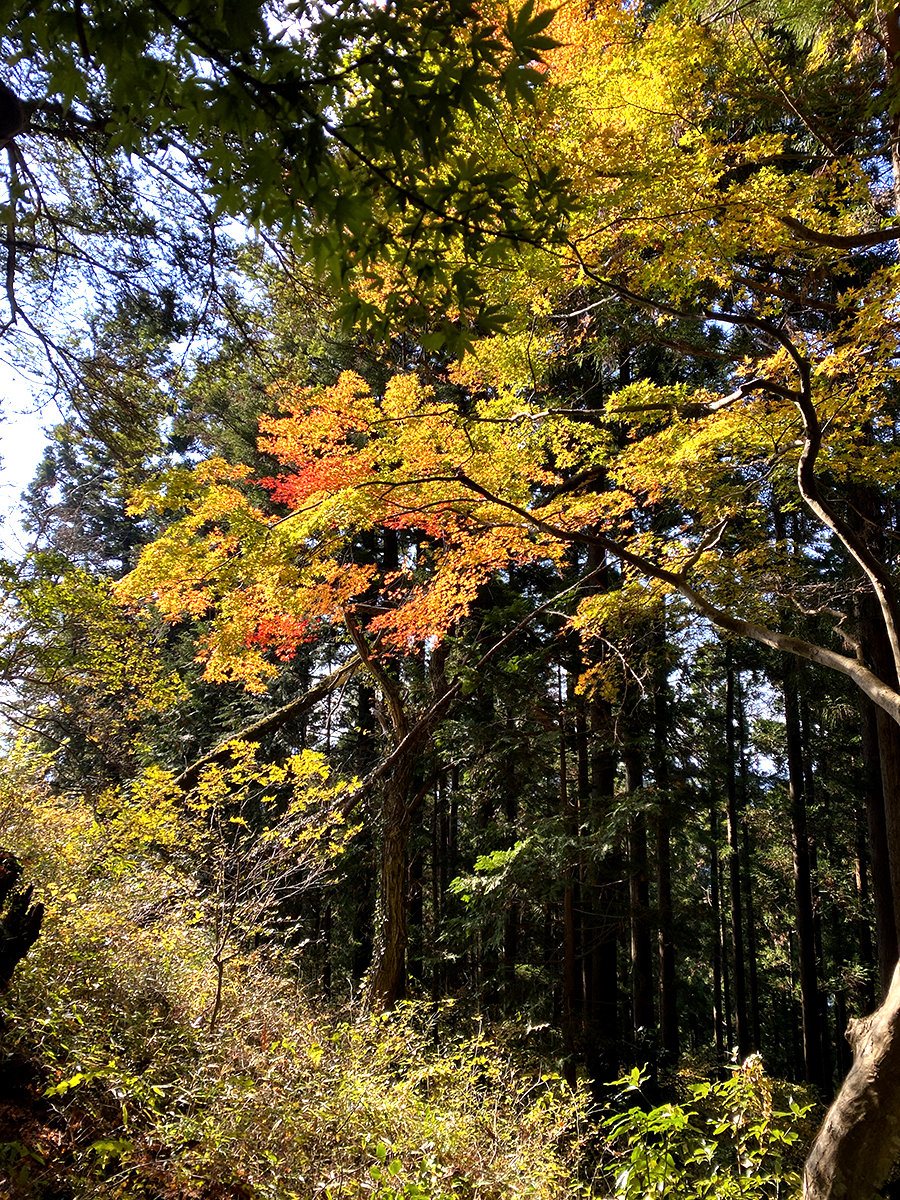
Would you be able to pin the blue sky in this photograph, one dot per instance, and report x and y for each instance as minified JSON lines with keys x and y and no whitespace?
{"x":22,"y":442}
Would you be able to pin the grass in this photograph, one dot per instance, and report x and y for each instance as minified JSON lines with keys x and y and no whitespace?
{"x":124,"y":1092}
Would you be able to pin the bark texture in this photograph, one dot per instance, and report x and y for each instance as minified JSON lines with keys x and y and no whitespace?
{"x":387,"y":982}
{"x":12,"y":115}
{"x":20,"y":924}
{"x":859,"y":1142}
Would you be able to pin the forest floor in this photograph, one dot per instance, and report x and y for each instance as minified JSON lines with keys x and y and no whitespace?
{"x":117,"y":1081}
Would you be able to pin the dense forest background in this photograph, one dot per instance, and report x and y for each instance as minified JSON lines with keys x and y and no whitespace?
{"x":451,"y":697}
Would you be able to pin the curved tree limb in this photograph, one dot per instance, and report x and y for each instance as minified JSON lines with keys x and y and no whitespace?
{"x":839,"y":241}
{"x":274,"y":720}
{"x":399,"y":722}
{"x":808,"y":486}
{"x":807,"y":480}
{"x":881,"y":693}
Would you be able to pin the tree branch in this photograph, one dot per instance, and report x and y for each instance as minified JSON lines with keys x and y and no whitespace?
{"x":420,"y":729}
{"x":837,"y":241}
{"x":392,"y":699}
{"x":808,"y":485}
{"x":252,"y":733}
{"x":885,"y":696}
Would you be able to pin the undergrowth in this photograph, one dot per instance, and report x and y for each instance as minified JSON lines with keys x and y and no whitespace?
{"x":115,"y":1084}
{"x":285,"y":1098}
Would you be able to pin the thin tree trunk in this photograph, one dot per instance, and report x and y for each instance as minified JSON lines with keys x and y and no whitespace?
{"x":602,"y":908}
{"x":668,"y":976}
{"x":716,"y":905}
{"x":726,"y":978}
{"x":454,"y":967}
{"x":437,"y":895}
{"x":863,"y":930}
{"x":416,"y":893}
{"x":882,"y":892}
{"x":881,"y":753}
{"x":584,"y":915}
{"x":512,"y":917}
{"x":327,"y":921}
{"x":796,"y":1020}
{"x":638,"y":909}
{"x":803,"y":906}
{"x":734,"y":866}
{"x":569,"y":1017}
{"x":889,"y":753}
{"x":752,"y":963}
{"x":809,"y":791}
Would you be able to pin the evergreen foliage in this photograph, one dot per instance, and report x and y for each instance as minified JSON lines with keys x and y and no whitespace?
{"x":459,"y":661}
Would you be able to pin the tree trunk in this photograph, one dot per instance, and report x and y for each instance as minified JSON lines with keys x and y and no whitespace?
{"x":889,"y":752}
{"x":327,"y":925}
{"x":863,"y":931}
{"x":734,"y":867}
{"x":752,"y":958}
{"x":602,"y":905}
{"x":881,"y":755}
{"x":569,"y":816}
{"x":859,"y":1142}
{"x":21,"y":923}
{"x":638,"y":909}
{"x":513,"y":918}
{"x":416,"y":892}
{"x":809,"y":985}
{"x":882,"y":892}
{"x":387,"y":977}
{"x":668,"y":978}
{"x":809,"y":789}
{"x":387,"y":980}
{"x":438,"y":883}
{"x":715,"y":903}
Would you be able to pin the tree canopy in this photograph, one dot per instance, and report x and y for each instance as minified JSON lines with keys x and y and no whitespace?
{"x":139,"y":138}
{"x":498,"y":408}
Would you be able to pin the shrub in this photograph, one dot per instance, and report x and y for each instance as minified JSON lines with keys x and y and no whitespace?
{"x":736,"y":1138}
{"x":283,"y":1100}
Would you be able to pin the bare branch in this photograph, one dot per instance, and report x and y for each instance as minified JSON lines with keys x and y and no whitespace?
{"x":252,"y":733}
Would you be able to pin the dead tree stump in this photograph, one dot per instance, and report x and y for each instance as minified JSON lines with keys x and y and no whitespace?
{"x":20,"y":924}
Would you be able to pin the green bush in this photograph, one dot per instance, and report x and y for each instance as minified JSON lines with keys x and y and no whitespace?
{"x":283,"y":1100}
{"x":737,"y":1138}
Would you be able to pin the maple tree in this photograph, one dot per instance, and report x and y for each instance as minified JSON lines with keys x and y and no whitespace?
{"x":735,"y":220}
{"x":272,"y":581}
{"x":691,"y":407}
{"x":140,"y":146}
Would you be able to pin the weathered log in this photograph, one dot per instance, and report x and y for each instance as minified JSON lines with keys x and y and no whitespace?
{"x":859,"y":1142}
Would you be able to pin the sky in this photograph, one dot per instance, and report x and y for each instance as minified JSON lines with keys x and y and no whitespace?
{"x":22,"y":440}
